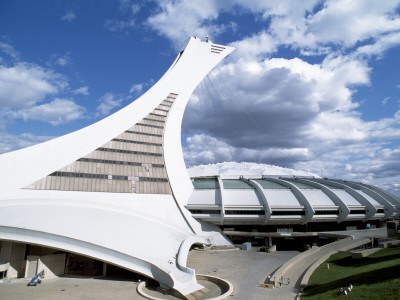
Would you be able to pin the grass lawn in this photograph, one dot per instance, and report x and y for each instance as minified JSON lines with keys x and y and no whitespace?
{"x":373,"y":277}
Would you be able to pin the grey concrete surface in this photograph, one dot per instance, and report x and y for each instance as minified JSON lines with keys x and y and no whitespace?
{"x":70,"y":288}
{"x":288,"y":291}
{"x":244,"y":269}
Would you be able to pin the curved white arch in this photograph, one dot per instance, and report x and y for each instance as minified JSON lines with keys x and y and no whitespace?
{"x":121,"y":228}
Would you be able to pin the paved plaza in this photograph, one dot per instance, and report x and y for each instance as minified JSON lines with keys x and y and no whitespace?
{"x":244,"y":269}
{"x":69,"y":288}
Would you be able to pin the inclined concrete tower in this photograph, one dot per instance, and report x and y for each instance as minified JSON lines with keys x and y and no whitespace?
{"x":116,"y":190}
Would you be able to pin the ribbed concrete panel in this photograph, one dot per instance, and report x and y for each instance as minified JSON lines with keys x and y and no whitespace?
{"x":347,"y":198}
{"x":370,"y":199}
{"x":317,"y":198}
{"x":282,"y":198}
{"x":235,"y":198}
{"x":205,"y":197}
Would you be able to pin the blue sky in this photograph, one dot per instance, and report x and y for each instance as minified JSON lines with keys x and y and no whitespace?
{"x":312,"y":85}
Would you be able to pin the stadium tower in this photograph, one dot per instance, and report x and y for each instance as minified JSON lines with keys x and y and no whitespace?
{"x":116,"y":190}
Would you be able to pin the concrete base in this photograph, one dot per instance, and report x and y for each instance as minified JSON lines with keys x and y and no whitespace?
{"x":388,"y":243}
{"x":363,"y":253}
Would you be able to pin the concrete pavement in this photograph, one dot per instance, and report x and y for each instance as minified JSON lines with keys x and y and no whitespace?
{"x":244,"y":269}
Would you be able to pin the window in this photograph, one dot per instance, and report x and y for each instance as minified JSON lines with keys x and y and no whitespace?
{"x":245,"y":212}
{"x":154,"y":120}
{"x":288,"y":213}
{"x":148,"y":125}
{"x":204,"y":211}
{"x":129,"y":152}
{"x":152,"y":179}
{"x":326,"y":212}
{"x":357,"y":212}
{"x":143,"y":133}
{"x":136,"y":142}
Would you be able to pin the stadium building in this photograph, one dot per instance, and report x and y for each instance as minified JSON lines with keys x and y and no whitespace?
{"x":295,"y":203}
{"x":117,"y":193}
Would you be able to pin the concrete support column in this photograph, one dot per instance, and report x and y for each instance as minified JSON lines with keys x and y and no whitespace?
{"x":104,"y":269}
{"x":261,"y":195}
{"x":299,"y":195}
{"x":221,"y":190}
{"x":370,"y":209}
{"x":14,"y":254}
{"x":388,"y":207}
{"x":344,"y":210}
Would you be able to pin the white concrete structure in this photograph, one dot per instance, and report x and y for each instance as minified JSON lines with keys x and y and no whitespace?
{"x":284,"y":200}
{"x":116,"y":190}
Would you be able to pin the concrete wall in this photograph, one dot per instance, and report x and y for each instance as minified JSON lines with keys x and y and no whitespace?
{"x":13,"y":254}
{"x":53,"y":265}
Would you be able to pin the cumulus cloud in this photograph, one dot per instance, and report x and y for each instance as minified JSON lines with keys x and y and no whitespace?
{"x":9,"y":142}
{"x":9,"y":50}
{"x":129,"y":6}
{"x":348,"y":22}
{"x":128,"y":9}
{"x":136,"y":88}
{"x":63,"y":60}
{"x":179,"y":20}
{"x":271,"y":103}
{"x":311,"y":26}
{"x":84,"y":90}
{"x":26,"y":84}
{"x":107,"y":103}
{"x":56,"y":112}
{"x":291,"y":112}
{"x":119,"y":25}
{"x":286,"y":112}
{"x":68,"y":16}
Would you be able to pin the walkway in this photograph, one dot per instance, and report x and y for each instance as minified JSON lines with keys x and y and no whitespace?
{"x":297,"y":270}
{"x":244,"y":269}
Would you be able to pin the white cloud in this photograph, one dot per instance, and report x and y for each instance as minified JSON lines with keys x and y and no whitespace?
{"x":56,"y":112}
{"x":69,"y":16}
{"x":119,"y":25}
{"x":135,"y":8}
{"x":385,"y":100}
{"x":9,"y":142}
{"x":243,"y":168}
{"x":348,"y":22}
{"x":129,"y":6}
{"x":179,"y":20}
{"x":63,"y":60}
{"x":256,"y":45}
{"x":310,"y":26}
{"x":287,"y":111}
{"x":26,"y":84}
{"x":84,"y":90}
{"x":381,"y":44}
{"x":108,"y":102}
{"x":9,"y":50}
{"x":136,"y":88}
{"x":216,"y":150}
{"x":276,"y":95}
